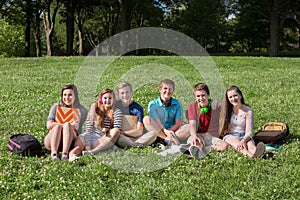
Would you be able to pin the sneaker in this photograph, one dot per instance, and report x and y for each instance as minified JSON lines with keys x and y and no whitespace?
{"x":175,"y":139}
{"x":167,"y":142}
{"x":175,"y":149}
{"x":159,"y":143}
{"x":268,"y":155}
{"x":54,"y":157}
{"x":184,"y":148}
{"x":64,"y":157}
{"x":87,"y":153}
{"x":73,"y":158}
{"x":197,"y":152}
{"x":260,"y":149}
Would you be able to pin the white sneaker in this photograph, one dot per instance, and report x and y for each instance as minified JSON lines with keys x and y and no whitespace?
{"x":87,"y":153}
{"x":55,"y":157}
{"x":73,"y":158}
{"x":197,"y":152}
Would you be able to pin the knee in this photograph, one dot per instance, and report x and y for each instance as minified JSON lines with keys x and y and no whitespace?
{"x":115,"y":132}
{"x":66,"y":125}
{"x":56,"y":129}
{"x":146,"y":120}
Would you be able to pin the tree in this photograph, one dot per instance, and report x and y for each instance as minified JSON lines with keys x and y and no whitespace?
{"x":36,"y":22}
{"x":70,"y":18}
{"x":15,"y":11}
{"x":275,"y":12}
{"x":204,"y":21}
{"x":251,"y":28}
{"x":11,"y":40}
{"x":49,"y":21}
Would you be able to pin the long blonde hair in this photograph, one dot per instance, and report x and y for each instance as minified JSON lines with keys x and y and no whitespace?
{"x":101,"y":112}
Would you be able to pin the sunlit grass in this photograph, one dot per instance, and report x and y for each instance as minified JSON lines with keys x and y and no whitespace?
{"x":29,"y":87}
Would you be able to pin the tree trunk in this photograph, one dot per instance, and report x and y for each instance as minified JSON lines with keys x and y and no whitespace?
{"x":70,"y":27}
{"x":27,"y":28}
{"x":49,"y":24}
{"x":80,"y":38}
{"x":37,"y":40}
{"x":27,"y":38}
{"x":48,"y":31}
{"x":298,"y":31}
{"x":274,"y":29}
{"x":36,"y":24}
{"x":127,"y":7}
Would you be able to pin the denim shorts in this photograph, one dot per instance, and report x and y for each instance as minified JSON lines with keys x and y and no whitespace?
{"x":90,"y":138}
{"x":240,"y":136}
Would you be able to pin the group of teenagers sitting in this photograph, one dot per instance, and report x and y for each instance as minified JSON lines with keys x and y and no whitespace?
{"x":210,"y":125}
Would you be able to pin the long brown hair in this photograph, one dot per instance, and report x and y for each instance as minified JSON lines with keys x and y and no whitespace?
{"x":76,"y":103}
{"x":102,"y":112}
{"x":226,"y":111}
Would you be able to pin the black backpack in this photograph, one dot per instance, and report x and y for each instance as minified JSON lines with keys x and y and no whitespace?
{"x":25,"y":145}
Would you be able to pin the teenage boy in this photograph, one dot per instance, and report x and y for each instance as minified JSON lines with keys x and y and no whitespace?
{"x":135,"y":136}
{"x":165,"y":113}
{"x":203,"y":115}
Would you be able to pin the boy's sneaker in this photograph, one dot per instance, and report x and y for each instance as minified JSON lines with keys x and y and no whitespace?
{"x":55,"y":157}
{"x":197,"y":152}
{"x":260,"y":149}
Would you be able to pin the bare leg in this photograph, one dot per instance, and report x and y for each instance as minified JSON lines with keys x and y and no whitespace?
{"x":234,"y":141}
{"x":52,"y":140}
{"x":151,"y":125}
{"x":183,"y":133}
{"x":68,"y":137}
{"x":106,"y":141}
{"x":251,"y":146}
{"x":78,"y":147}
{"x":221,"y":146}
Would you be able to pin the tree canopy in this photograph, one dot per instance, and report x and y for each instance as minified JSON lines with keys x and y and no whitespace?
{"x":75,"y":27}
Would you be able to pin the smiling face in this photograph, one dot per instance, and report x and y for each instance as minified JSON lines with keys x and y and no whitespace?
{"x":68,"y":97}
{"x":201,"y":97}
{"x":107,"y":100}
{"x":234,"y":98}
{"x":125,"y":95}
{"x":166,"y":91}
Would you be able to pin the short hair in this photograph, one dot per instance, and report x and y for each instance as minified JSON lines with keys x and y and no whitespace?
{"x":201,"y":86}
{"x":167,"y":81}
{"x":124,"y":84}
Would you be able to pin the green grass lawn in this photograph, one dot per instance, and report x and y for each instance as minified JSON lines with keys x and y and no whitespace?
{"x":29,"y":87}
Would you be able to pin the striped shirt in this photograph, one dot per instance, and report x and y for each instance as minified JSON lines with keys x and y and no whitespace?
{"x":92,"y":129}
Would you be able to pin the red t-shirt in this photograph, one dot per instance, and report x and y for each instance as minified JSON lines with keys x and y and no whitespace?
{"x":207,"y":122}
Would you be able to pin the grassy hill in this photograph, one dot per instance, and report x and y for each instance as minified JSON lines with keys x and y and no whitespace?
{"x":29,"y":87}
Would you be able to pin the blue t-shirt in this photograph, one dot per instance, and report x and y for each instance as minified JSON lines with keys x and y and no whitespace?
{"x":133,"y":109}
{"x":166,"y":114}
